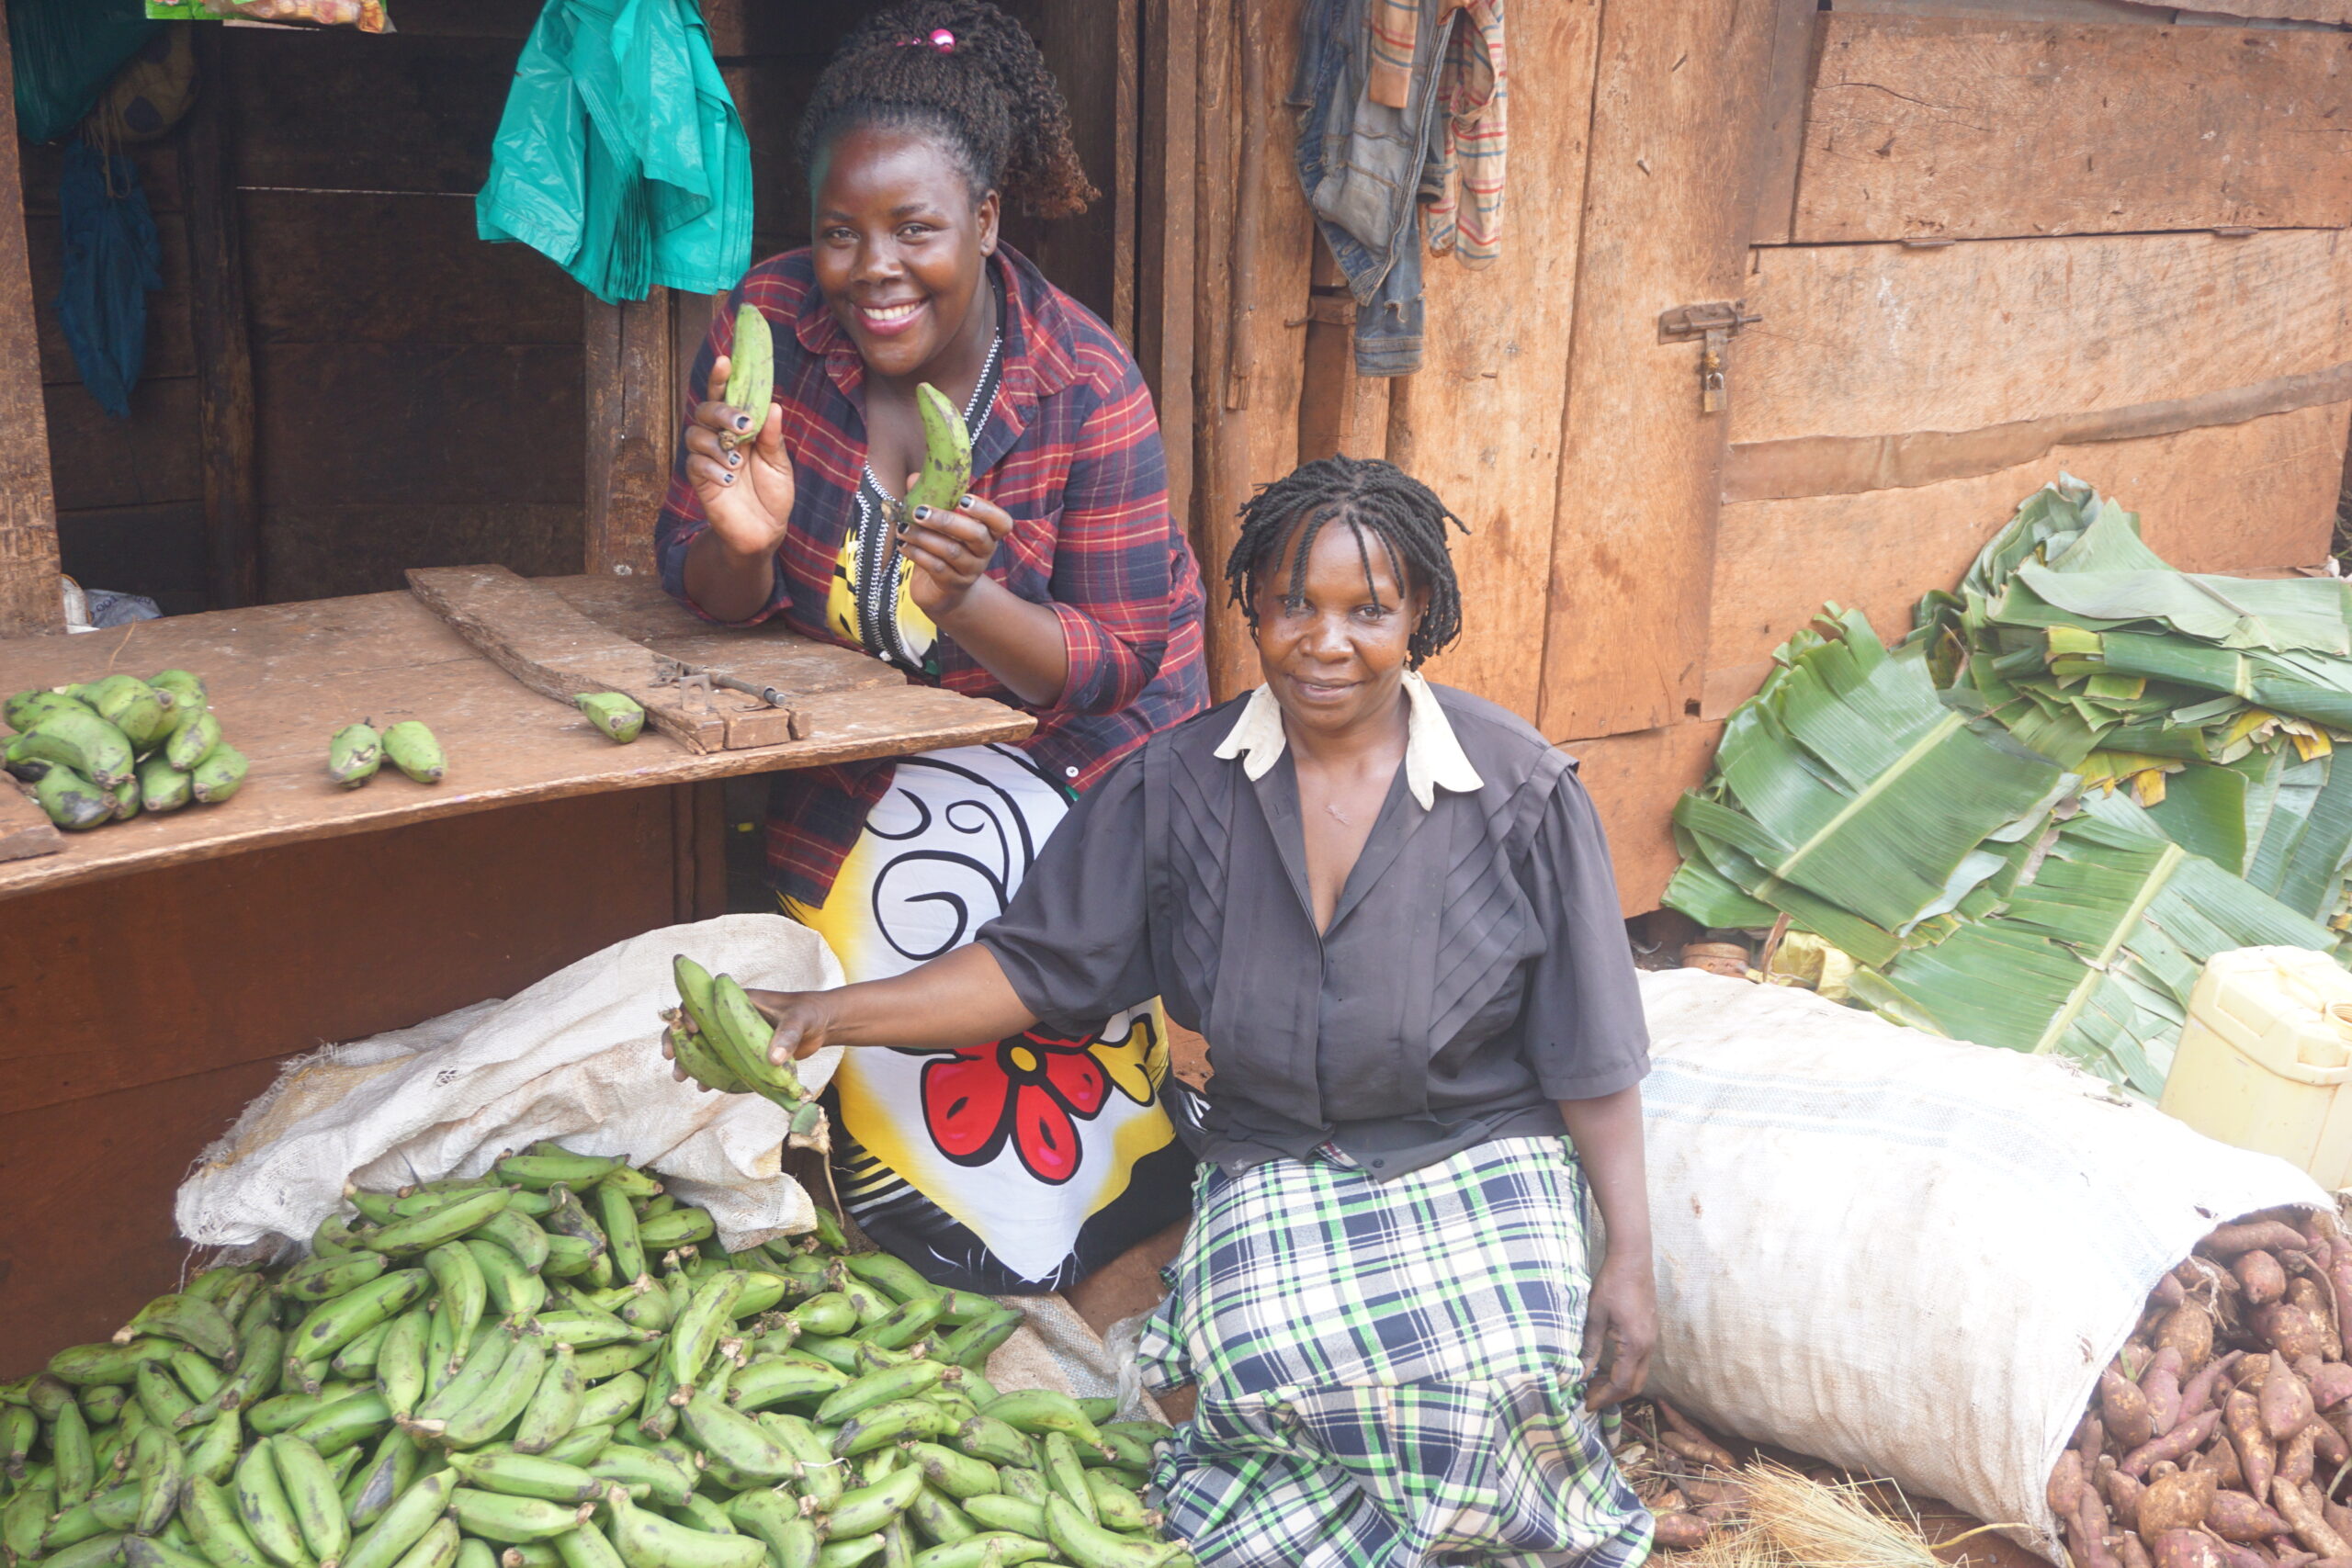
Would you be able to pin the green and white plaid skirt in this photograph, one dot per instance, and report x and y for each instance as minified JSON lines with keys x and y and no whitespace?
{"x":1388,"y":1373}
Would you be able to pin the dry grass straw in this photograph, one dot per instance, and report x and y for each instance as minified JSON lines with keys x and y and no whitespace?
{"x":1796,"y":1522}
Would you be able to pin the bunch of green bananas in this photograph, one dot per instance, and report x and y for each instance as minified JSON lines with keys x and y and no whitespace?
{"x":101,"y":751}
{"x":721,"y":1041}
{"x":491,"y":1373}
{"x":356,"y":751}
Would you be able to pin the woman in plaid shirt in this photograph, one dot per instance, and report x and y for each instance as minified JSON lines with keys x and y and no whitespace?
{"x":1061,"y":585}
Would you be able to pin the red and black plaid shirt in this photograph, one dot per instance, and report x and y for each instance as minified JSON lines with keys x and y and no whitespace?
{"x":1070,"y":449}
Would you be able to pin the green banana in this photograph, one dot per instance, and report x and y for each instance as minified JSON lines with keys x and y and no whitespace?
{"x":481,"y":1367}
{"x":828,"y":1312}
{"x":876,"y":1388}
{"x":791,"y":1539}
{"x":111,"y":1511}
{"x":869,"y":1429}
{"x":358,"y":1358}
{"x":817,"y":1474}
{"x":746,"y":1033}
{"x":645,"y":1539}
{"x":188,"y":692}
{"x":555,"y":1168}
{"x":332,"y":1325}
{"x":438,"y":1547}
{"x":497,"y":1516}
{"x":990,"y":1549}
{"x":583,"y":1445}
{"x":70,"y":1452}
{"x":608,"y":1361}
{"x":288,"y":1411}
{"x":490,"y":1413}
{"x":212,"y":1521}
{"x":374,"y":1486}
{"x":354,"y":754}
{"x":1063,"y":1471}
{"x":263,"y":1508}
{"x":695,"y":1051}
{"x":312,"y":1493}
{"x":660,"y":1478}
{"x":678,"y":1227}
{"x":1122,"y":1448}
{"x":213,"y":1453}
{"x":131,"y":706}
{"x":906,"y":1323}
{"x":735,"y":1439}
{"x":25,"y":709}
{"x":1039,"y":1411}
{"x":463,"y":1290}
{"x":891,"y":1274}
{"x":586,"y":1546}
{"x":412,"y":750}
{"x":163,"y":787}
{"x":870,"y":1508}
{"x":334,"y":1237}
{"x":162,"y":1469}
{"x":996,"y":1511}
{"x":750,"y":371}
{"x":90,"y":1554}
{"x":970,"y":1346}
{"x":620,"y":1232}
{"x":127,"y":798}
{"x":530,"y":1554}
{"x":400,"y":1359}
{"x":517,"y":1291}
{"x":608,"y":1402}
{"x":695,"y":1333}
{"x":1089,"y":1545}
{"x":568,"y":1257}
{"x":898,"y":1541}
{"x":960,"y":1476}
{"x":851,"y":1553}
{"x":324,"y":1277}
{"x":946,"y":473}
{"x":937,"y":1518}
{"x":629,"y":1179}
{"x":833,"y":1351}
{"x":985,"y":1438}
{"x":421,"y":1233}
{"x":141,"y":1551}
{"x":260,"y":1364}
{"x":192,"y":742}
{"x":554,"y":1405}
{"x":345,"y":1423}
{"x":618,"y":716}
{"x":404,"y":1524}
{"x":25,"y":1519}
{"x":705,"y":1515}
{"x":528,"y":1475}
{"x":767,"y":1384}
{"x":82,"y":1366}
{"x":218,"y":777}
{"x":73,"y":802}
{"x":1116,"y":1506}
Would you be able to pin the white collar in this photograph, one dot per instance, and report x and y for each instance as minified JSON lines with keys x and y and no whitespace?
{"x":1433,"y":757}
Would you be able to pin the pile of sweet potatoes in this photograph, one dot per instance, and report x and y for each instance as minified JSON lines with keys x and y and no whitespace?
{"x":2222,"y":1436}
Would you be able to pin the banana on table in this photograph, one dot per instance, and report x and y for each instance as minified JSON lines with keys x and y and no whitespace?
{"x":555,"y":1365}
{"x":107,"y":749}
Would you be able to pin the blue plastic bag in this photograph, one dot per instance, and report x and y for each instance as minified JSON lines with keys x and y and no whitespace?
{"x":112,"y":261}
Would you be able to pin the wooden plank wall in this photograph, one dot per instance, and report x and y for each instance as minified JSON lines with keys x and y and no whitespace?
{"x":419,"y":393}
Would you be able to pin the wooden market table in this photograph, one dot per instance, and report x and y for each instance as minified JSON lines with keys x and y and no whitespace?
{"x":154,"y":974}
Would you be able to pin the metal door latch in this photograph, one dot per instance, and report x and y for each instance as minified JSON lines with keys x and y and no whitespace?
{"x":1714,"y":323}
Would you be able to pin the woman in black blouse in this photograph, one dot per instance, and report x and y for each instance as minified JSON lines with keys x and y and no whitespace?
{"x":1388,"y":906}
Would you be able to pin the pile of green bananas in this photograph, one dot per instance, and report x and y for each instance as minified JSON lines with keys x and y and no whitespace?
{"x":101,"y":751}
{"x":356,"y":751}
{"x":721,"y":1041}
{"x":556,"y":1366}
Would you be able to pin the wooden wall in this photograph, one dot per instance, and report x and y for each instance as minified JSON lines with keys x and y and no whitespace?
{"x":1990,"y":241}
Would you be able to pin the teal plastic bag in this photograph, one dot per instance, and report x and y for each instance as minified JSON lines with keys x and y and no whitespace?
{"x":65,"y":53}
{"x":620,"y":156}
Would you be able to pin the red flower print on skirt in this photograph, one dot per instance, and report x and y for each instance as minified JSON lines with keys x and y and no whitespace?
{"x":1026,"y":1088}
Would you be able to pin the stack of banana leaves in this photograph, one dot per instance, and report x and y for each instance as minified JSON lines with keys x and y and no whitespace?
{"x":2031,"y":823}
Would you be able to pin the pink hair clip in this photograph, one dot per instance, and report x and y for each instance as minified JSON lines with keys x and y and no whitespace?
{"x":940,"y":39}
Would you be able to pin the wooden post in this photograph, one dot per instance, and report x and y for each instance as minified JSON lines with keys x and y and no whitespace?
{"x":29,"y":600}
{"x":224,"y":365}
{"x":1679,"y":113}
{"x":1165,"y":224}
{"x":632,"y":427}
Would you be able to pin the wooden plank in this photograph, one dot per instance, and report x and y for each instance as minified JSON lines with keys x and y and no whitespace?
{"x":1678,"y":107}
{"x":285,"y":677}
{"x":1126,"y":147}
{"x":338,"y":266}
{"x":2230,"y":498}
{"x":1165,"y":225}
{"x":1867,"y":340}
{"x":155,"y":551}
{"x":769,"y":652}
{"x":1634,"y":781}
{"x":154,"y":457}
{"x":432,"y":108}
{"x":467,"y":18}
{"x":1480,"y":424}
{"x":2335,"y":13}
{"x":1079,"y":39}
{"x":144,"y":1063}
{"x":226,"y":406}
{"x":30,"y":601}
{"x":1795,"y":34}
{"x":328,"y":551}
{"x":1974,"y":129}
{"x":633,"y":392}
{"x":420,"y":424}
{"x":25,"y":829}
{"x":770,"y":94}
{"x":536,"y":635}
{"x":171,"y":347}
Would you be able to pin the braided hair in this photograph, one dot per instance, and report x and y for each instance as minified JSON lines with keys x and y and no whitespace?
{"x":963,"y":70}
{"x":1376,"y":501}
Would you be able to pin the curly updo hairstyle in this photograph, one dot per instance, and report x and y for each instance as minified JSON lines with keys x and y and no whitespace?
{"x":967,"y":72}
{"x":1377,"y":501}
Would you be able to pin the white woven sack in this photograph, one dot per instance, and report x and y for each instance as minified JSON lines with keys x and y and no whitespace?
{"x":1906,"y":1256}
{"x":577,"y":1058}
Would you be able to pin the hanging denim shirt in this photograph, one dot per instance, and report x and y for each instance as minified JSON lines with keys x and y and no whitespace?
{"x":1366,"y":163}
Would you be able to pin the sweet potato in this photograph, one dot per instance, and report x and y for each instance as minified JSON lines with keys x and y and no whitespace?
{"x":2229,"y":1241}
{"x":2252,"y":1373}
{"x":2186,"y":1548}
{"x":2258,"y":1461}
{"x":2311,"y":1290}
{"x":2238,"y":1556}
{"x":2296,"y":1458}
{"x":2160,"y":1385}
{"x":2339,"y":1516}
{"x":2133,"y":1553}
{"x":1682,"y":1532}
{"x":1670,"y":1501}
{"x":2331,"y":1384}
{"x":2189,"y":1328}
{"x":2178,"y":1502}
{"x":2197,"y":1392}
{"x":2236,"y":1516}
{"x":2123,"y":1495}
{"x":1698,"y":1450}
{"x":2289,"y":1329}
{"x":2223,"y":1461}
{"x":2065,"y":1484}
{"x":2087,"y":1535}
{"x":2286,"y":1404}
{"x":2327,"y":1444}
{"x":2090,"y":1434}
{"x":2174,"y":1446}
{"x":2338,"y":1264}
{"x":2169,"y":1293}
{"x":2260,"y":1276}
{"x":2125,"y":1410}
{"x":2302,"y":1513}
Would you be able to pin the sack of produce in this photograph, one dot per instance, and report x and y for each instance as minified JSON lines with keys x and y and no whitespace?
{"x":1906,"y":1256}
{"x":575,"y":1058}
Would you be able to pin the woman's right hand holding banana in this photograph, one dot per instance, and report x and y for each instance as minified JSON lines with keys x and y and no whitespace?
{"x":741,"y":475}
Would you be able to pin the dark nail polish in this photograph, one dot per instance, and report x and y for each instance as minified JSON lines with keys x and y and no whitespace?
{"x":734,"y":459}
{"x":922,"y":514}
{"x":742,"y":421}
{"x":727,"y":479}
{"x":964,"y":504}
